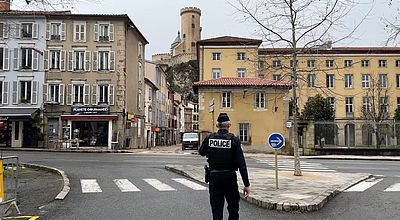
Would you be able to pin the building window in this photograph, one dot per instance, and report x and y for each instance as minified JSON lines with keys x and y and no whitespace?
{"x":366,"y":80}
{"x":311,"y":63}
{"x":384,"y":104}
{"x":244,"y":132}
{"x":276,"y":77}
{"x":54,"y":91}
{"x":348,"y":63}
{"x":398,"y":102}
{"x":260,"y":100}
{"x":104,"y":32}
{"x":330,"y":63}
{"x":103,"y":94}
{"x":241,"y":56}
{"x":55,"y":31}
{"x":349,"y":105}
{"x":139,"y":101}
{"x":78,"y":93}
{"x":216,"y":73}
{"x":311,"y":80}
{"x":26,"y":58}
{"x":398,"y":80}
{"x":367,"y":107}
{"x":261,"y":64}
{"x":3,"y":92}
{"x":2,"y":60}
{"x":276,"y":64}
{"x":331,"y":101}
{"x":216,"y":56}
{"x":382,"y":63}
{"x":383,"y":81}
{"x":364,"y":63}
{"x":348,"y":80}
{"x":55,"y":59}
{"x":104,"y":60}
{"x":2,"y":30}
{"x":291,"y":63}
{"x":80,"y":32}
{"x":25,"y":91}
{"x":226,"y":100}
{"x":397,"y":63}
{"x":241,"y":72}
{"x":79,"y":60}
{"x":330,"y":81}
{"x":26,"y":30}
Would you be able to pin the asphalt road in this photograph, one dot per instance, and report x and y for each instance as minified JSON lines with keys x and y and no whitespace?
{"x":184,"y":202}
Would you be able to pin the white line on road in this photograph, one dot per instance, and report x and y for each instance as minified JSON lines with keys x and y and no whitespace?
{"x":159,"y":185}
{"x":308,"y":170}
{"x":393,"y":188}
{"x":90,"y":186}
{"x":364,"y":185}
{"x":125,"y":185}
{"x":190,"y":184}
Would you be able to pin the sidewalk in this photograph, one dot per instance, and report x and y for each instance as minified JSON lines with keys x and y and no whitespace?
{"x":306,"y":193}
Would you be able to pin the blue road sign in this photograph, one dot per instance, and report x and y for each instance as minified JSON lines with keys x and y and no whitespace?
{"x":276,"y":141}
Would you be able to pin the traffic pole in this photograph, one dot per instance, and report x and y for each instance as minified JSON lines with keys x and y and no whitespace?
{"x":2,"y":199}
{"x":276,"y":169}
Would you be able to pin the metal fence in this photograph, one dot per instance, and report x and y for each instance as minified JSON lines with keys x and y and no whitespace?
{"x":354,"y":133}
{"x":9,"y":169}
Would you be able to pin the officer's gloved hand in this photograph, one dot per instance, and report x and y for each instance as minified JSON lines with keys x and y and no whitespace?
{"x":246,"y":192}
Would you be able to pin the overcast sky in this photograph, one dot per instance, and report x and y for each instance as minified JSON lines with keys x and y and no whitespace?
{"x":159,"y":20}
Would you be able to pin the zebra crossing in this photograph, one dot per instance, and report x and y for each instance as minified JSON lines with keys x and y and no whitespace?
{"x":125,"y":185}
{"x":373,"y":181}
{"x":288,"y":165}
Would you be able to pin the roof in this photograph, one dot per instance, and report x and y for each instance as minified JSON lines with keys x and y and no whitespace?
{"x":236,"y":81}
{"x":334,"y":50}
{"x":229,"y":40}
{"x":43,"y":13}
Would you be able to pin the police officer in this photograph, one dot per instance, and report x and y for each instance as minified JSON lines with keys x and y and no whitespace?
{"x":225,"y":156}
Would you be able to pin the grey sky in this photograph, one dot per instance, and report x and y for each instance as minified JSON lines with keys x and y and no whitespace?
{"x":159,"y":20}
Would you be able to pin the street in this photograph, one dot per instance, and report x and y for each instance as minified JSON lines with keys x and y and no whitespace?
{"x":135,"y":186}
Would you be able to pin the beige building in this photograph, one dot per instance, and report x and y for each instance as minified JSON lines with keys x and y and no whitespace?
{"x":94,"y":85}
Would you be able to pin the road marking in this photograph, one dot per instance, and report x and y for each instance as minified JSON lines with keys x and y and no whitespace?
{"x":393,"y":188}
{"x":308,"y":170}
{"x":159,"y":185}
{"x":90,"y":186}
{"x":125,"y":185}
{"x":190,"y":184}
{"x":364,"y":185}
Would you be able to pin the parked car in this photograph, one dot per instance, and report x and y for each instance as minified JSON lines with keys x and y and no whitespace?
{"x":190,"y":140}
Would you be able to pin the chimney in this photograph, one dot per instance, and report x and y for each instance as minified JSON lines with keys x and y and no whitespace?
{"x":5,"y":5}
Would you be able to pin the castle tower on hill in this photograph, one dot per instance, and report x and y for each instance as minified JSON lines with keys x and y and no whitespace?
{"x":183,"y":48}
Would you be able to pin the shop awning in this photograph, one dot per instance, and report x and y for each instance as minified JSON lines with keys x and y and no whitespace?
{"x":17,"y":112}
{"x":89,"y":117}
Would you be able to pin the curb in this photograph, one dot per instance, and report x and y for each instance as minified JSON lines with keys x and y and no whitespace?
{"x":317,"y":204}
{"x":349,"y":158}
{"x":64,"y":150}
{"x":66,"y":185}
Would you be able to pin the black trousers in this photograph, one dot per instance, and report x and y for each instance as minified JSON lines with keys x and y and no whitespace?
{"x":223,"y":185}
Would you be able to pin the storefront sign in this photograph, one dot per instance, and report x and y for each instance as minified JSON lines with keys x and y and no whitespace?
{"x":90,"y":110}
{"x":153,"y":129}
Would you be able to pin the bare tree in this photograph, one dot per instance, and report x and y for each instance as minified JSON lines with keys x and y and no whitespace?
{"x":48,"y":5}
{"x":299,"y":25}
{"x":392,"y":25}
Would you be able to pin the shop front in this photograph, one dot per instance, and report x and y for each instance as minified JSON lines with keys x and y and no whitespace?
{"x":89,"y":127}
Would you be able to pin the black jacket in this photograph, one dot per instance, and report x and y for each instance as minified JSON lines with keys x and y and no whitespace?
{"x":225,"y":158}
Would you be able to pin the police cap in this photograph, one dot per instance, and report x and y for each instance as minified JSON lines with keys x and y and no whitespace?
{"x":223,"y":117}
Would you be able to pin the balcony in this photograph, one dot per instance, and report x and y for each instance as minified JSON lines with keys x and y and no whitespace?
{"x":104,"y":38}
{"x":55,"y":37}
{"x":25,"y":34}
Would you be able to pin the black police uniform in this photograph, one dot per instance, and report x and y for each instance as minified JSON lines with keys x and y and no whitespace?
{"x":225,"y":156}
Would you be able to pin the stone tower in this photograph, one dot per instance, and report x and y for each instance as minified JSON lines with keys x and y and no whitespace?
{"x":5,"y":5}
{"x":190,"y":28}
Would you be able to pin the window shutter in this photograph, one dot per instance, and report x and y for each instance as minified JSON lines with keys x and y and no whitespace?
{"x":111,"y":94}
{"x":84,"y":32}
{"x":61,"y":94}
{"x":94,"y":60}
{"x":94,"y":94}
{"x":35,"y":92}
{"x":6,"y":30}
{"x":86,"y":90}
{"x":16,"y":59}
{"x":71,"y":60}
{"x":69,"y":94}
{"x":96,"y":32}
{"x":76,"y":34}
{"x":62,"y":60}
{"x":111,"y":32}
{"x":46,"y":60}
{"x":48,"y":29}
{"x":35,"y":60}
{"x":63,"y":31}
{"x":35,"y":31}
{"x":45,"y":91}
{"x":17,"y":31}
{"x":6,"y":59}
{"x":15,"y":93}
{"x":112,"y":61}
{"x":87,"y":60}
{"x":5,"y":93}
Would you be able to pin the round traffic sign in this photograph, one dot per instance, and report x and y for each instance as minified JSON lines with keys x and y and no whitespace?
{"x":276,"y":140}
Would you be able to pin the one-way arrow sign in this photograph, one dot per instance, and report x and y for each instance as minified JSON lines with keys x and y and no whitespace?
{"x":276,"y":140}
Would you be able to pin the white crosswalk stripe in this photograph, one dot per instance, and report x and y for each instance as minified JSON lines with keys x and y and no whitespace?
{"x":393,"y":188}
{"x":90,"y":186}
{"x":288,"y":165}
{"x":125,"y":185}
{"x":190,"y":184}
{"x":159,"y":185}
{"x":363,"y":185}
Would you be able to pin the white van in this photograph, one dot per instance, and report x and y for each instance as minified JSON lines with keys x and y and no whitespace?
{"x":190,"y":140}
